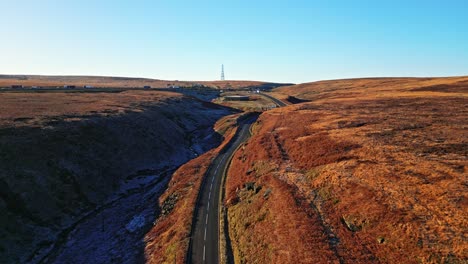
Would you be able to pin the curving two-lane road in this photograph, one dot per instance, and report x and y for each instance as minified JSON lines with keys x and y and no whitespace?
{"x":204,"y":240}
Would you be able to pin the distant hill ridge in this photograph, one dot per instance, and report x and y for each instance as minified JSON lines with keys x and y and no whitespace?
{"x":124,"y":82}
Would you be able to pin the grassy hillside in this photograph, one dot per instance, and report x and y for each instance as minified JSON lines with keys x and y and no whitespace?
{"x":368,"y":171}
{"x":376,"y":87}
{"x":63,"y":155}
{"x":119,"y":82}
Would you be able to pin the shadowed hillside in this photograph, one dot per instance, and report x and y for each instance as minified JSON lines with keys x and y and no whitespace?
{"x":76,"y":169}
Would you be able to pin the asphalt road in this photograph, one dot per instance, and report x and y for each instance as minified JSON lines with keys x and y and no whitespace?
{"x":204,"y":240}
{"x":204,"y":243}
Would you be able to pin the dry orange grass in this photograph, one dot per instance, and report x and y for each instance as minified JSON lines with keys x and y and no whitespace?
{"x":377,"y":87}
{"x":17,"y":109}
{"x":381,"y":163}
{"x":80,"y":81}
{"x":255,"y":102}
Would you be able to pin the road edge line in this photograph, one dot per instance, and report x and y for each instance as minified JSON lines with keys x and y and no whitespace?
{"x":222,"y":236}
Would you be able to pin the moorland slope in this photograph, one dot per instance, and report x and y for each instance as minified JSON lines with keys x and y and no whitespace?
{"x":121,"y":82}
{"x":68,"y":160}
{"x":367,"y":171}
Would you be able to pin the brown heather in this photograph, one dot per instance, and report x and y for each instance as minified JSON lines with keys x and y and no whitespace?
{"x":368,"y":171}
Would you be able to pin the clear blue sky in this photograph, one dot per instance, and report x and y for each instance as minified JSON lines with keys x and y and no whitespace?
{"x":284,"y":41}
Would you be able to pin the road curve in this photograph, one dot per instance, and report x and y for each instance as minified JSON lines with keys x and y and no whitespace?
{"x":278,"y":102}
{"x":204,"y":243}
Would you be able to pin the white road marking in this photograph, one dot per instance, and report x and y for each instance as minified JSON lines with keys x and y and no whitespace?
{"x":209,"y":197}
{"x":217,"y":167}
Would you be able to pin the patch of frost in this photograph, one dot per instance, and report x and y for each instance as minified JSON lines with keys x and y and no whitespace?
{"x":136,"y":223}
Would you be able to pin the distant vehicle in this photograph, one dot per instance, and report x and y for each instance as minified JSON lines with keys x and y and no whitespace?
{"x":88,"y":87}
{"x":146,"y":87}
{"x":17,"y":86}
{"x":34,"y":87}
{"x":69,"y":86}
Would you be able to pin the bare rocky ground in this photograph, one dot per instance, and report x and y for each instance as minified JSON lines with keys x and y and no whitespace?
{"x":114,"y":232}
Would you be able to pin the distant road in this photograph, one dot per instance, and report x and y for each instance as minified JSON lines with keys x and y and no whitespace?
{"x":278,"y":102}
{"x":204,"y":243}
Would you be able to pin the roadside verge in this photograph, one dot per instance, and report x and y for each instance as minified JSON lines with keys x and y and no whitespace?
{"x":225,"y":249}
{"x":168,"y":239}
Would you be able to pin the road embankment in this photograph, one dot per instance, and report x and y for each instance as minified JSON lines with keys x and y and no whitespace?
{"x":168,"y":240}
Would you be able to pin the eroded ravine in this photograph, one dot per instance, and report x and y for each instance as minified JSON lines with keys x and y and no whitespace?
{"x":90,"y":187}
